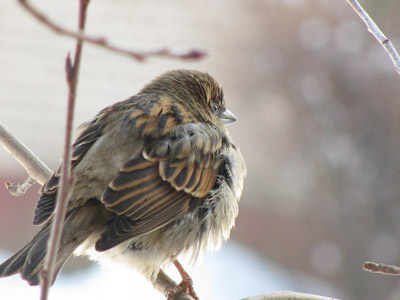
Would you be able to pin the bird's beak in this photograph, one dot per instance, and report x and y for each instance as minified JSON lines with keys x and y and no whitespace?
{"x":227,"y":117}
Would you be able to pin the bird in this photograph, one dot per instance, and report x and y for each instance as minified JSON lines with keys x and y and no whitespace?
{"x":155,"y":177}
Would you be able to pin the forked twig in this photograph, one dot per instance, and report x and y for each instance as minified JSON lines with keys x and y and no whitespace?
{"x":17,"y":189}
{"x":103,"y":42}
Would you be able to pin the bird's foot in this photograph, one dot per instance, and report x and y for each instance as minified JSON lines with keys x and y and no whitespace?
{"x":186,"y":284}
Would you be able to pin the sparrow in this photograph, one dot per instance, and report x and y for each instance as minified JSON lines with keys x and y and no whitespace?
{"x":155,"y":177}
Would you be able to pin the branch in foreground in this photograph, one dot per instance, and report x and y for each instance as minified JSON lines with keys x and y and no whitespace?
{"x":377,"y":33}
{"x":381,"y":268}
{"x":102,"y":42}
{"x":32,"y":164}
{"x":63,"y":193}
{"x":288,"y":295}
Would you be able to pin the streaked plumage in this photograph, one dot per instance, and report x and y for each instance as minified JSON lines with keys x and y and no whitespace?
{"x":155,"y":176}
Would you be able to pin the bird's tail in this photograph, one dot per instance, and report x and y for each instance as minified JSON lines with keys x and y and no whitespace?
{"x":29,"y":261}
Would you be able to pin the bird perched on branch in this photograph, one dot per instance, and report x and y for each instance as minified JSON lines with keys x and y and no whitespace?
{"x":155,"y":176}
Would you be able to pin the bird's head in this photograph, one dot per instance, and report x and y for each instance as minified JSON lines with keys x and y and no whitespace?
{"x":198,"y":92}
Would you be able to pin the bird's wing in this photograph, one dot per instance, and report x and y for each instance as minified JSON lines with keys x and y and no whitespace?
{"x":91,"y":132}
{"x":171,"y":176}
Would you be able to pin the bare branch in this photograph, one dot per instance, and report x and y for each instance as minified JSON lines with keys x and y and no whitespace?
{"x":17,"y":189}
{"x":72,"y":72}
{"x":381,"y":268}
{"x":288,"y":295}
{"x":377,"y":33}
{"x":102,"y":42}
{"x":32,"y":164}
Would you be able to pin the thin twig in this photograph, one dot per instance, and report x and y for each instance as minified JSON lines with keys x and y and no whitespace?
{"x":72,"y":72}
{"x":377,"y":33}
{"x":102,"y":42}
{"x":32,"y":164}
{"x":289,"y":295}
{"x":381,"y":268}
{"x":17,"y":189}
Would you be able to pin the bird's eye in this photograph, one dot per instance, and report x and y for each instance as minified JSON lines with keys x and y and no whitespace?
{"x":216,"y":108}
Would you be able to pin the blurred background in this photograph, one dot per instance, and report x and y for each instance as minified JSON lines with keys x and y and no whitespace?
{"x":317,"y":100}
